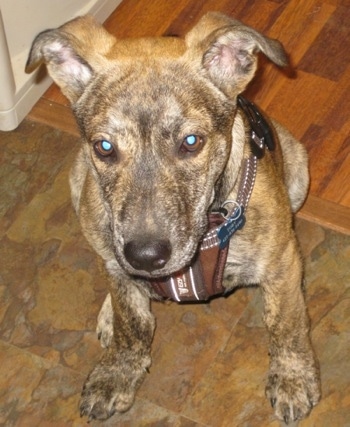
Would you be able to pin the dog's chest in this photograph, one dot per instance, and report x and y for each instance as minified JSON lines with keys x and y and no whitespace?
{"x":245,"y":265}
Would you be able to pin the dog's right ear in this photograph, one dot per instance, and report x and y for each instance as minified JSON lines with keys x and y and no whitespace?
{"x":69,"y":55}
{"x":227,"y":51}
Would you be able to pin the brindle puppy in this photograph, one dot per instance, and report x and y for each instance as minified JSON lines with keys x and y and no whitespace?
{"x":163,"y":145}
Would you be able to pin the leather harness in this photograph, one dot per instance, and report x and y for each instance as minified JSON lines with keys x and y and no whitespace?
{"x":203,"y":278}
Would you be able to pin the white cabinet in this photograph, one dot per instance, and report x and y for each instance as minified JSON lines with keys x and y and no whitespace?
{"x":20,"y":22}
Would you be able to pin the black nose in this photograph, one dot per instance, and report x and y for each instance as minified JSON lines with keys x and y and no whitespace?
{"x":149,"y":255}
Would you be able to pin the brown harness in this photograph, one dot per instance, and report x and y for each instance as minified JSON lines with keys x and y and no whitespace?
{"x":203,"y":278}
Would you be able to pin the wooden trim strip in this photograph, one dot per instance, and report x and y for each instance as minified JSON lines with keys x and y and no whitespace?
{"x":55,"y":115}
{"x":327,"y":214}
{"x":323,"y":212}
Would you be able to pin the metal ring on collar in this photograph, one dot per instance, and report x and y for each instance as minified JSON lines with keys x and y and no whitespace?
{"x":236,"y":205}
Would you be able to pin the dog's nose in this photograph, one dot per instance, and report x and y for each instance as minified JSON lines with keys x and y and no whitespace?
{"x":148,"y":255}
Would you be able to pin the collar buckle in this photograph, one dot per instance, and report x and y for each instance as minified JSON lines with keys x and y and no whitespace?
{"x":261,"y":134}
{"x":257,"y":144}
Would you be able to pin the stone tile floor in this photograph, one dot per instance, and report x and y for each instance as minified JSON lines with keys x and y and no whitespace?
{"x":209,"y":360}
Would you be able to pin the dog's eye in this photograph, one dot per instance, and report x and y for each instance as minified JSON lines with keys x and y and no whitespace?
{"x":104,"y":148}
{"x":191,"y":143}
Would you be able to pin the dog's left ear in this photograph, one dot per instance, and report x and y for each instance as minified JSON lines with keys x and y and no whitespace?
{"x":228,"y":51}
{"x":72,"y":54}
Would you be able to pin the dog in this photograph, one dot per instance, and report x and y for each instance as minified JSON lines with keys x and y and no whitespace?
{"x":168,"y":141}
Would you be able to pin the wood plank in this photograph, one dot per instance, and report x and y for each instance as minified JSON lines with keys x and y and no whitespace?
{"x":293,"y":28}
{"x":337,"y":106}
{"x":327,"y":152}
{"x":332,"y":43}
{"x":140,"y":19}
{"x":337,"y":186}
{"x":195,"y":9}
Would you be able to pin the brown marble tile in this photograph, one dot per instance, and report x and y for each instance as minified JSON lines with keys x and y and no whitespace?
{"x":144,"y":413}
{"x":188,"y":339}
{"x":232,"y":390}
{"x":36,"y":391}
{"x":31,"y":157}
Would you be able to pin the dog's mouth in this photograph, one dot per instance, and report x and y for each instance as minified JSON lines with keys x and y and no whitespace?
{"x":162,"y":273}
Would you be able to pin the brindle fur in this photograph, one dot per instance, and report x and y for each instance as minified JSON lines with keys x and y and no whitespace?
{"x":145,"y":96}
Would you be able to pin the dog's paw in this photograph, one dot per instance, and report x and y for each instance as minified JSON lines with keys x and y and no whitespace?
{"x":111,"y":386}
{"x":293,"y":395}
{"x":104,"y":327}
{"x":100,"y":399}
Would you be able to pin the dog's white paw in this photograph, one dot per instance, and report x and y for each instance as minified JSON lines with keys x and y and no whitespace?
{"x":293,"y":395}
{"x":101,"y":396}
{"x":112,"y":384}
{"x":104,"y":327}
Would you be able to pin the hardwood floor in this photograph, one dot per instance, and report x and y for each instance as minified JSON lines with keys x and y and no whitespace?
{"x":312,"y":97}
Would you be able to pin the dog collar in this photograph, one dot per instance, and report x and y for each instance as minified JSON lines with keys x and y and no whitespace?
{"x":203,"y":278}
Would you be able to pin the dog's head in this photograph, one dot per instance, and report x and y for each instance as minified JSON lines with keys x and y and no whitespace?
{"x":156,"y":116}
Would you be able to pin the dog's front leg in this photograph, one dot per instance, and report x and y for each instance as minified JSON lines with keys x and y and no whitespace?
{"x":112,"y":384}
{"x":105,"y":319}
{"x":293,"y":385}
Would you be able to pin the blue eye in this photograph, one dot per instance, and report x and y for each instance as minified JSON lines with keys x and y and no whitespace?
{"x":191,"y":139}
{"x":192,"y":143}
{"x":104,"y":148}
